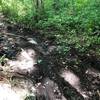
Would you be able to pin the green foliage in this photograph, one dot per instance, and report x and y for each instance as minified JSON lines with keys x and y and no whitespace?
{"x":82,"y":43}
{"x":19,"y":11}
{"x":57,"y":13}
{"x":71,"y":21}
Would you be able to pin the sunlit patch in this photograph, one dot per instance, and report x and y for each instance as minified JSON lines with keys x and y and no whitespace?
{"x":25,"y":61}
{"x":23,"y":88}
{"x":73,"y":80}
{"x":31,"y":40}
{"x":13,"y":87}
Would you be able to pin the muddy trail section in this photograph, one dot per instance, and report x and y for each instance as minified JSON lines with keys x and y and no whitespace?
{"x":32,"y":69}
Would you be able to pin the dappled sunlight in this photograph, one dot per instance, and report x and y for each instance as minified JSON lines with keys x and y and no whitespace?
{"x":73,"y":80}
{"x":25,"y":62}
{"x":31,"y":40}
{"x":16,"y":91}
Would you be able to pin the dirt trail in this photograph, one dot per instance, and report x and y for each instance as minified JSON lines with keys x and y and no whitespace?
{"x":32,"y":67}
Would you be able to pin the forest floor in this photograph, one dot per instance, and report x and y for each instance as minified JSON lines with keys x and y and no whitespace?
{"x":31,"y":69}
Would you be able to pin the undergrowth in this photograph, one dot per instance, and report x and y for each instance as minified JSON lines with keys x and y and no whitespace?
{"x":74,"y":22}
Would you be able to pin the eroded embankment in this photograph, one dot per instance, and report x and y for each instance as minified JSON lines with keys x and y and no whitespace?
{"x":31,"y":68}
